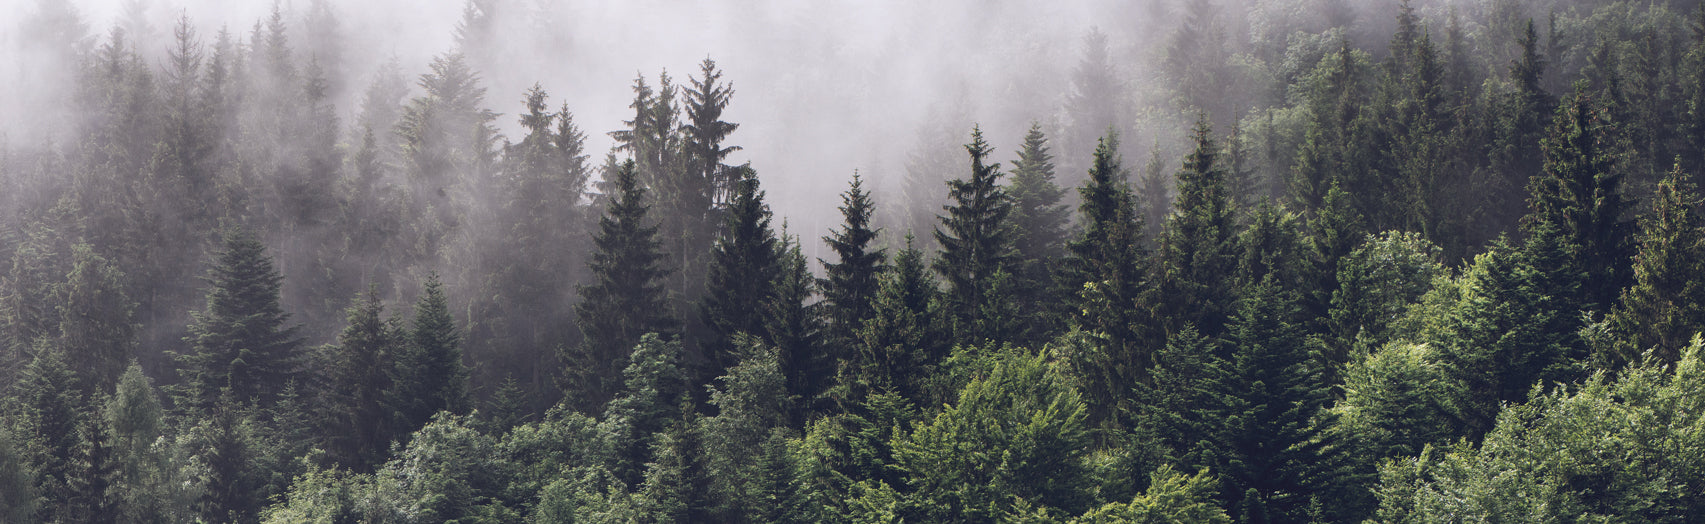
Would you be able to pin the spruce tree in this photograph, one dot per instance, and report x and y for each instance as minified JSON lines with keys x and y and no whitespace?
{"x":1039,"y":224}
{"x":625,"y":299}
{"x":850,"y":285}
{"x":906,"y":336}
{"x":1579,"y":193}
{"x":358,"y":415}
{"x":1199,"y":247}
{"x":742,"y":272}
{"x":52,"y":414}
{"x":1665,"y":306}
{"x":975,"y":240}
{"x":429,"y":376}
{"x":794,"y":325}
{"x":1106,"y":282}
{"x":239,"y":341}
{"x":1276,"y":440}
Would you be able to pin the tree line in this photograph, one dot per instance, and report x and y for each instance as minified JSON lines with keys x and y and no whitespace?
{"x":1450,"y":276}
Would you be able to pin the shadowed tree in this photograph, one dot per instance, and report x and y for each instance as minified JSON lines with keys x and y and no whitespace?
{"x":239,"y":342}
{"x":625,"y":299}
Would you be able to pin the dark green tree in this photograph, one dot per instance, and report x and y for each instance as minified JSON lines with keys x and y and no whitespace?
{"x":906,"y":336}
{"x":976,"y":242}
{"x":1665,"y":306}
{"x":428,"y":375}
{"x":358,"y":415}
{"x":240,"y":341}
{"x":741,"y":277}
{"x":1277,"y":441}
{"x":849,"y":286}
{"x":625,"y":299}
{"x":794,"y":325}
{"x":1199,"y":247}
{"x":1579,"y":194}
{"x":1105,"y":281}
{"x":1039,"y":236}
{"x":51,"y":409}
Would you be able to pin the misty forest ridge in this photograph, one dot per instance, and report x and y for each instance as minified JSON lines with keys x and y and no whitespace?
{"x":767,"y":261}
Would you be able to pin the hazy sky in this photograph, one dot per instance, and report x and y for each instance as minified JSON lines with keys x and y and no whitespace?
{"x":822,"y":87}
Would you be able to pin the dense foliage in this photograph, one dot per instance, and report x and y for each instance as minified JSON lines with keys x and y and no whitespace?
{"x":1442,"y":264}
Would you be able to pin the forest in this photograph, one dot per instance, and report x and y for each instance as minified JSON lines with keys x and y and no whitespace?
{"x":1245,"y":261}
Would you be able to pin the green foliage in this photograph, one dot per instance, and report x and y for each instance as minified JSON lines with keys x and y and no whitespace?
{"x":742,"y":275}
{"x":1399,"y":399}
{"x":1039,"y":232}
{"x":1199,"y":247}
{"x":905,"y":339}
{"x":1171,"y":497}
{"x":976,"y":243}
{"x":1603,"y":451}
{"x":1377,"y":284}
{"x":1107,"y":281}
{"x":240,"y":342}
{"x":428,"y":376}
{"x":1665,"y":305}
{"x":625,"y":299}
{"x":1579,"y":194}
{"x":849,"y":286}
{"x":1017,"y":433}
{"x":359,"y":415}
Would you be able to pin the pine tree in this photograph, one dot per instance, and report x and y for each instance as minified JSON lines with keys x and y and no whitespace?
{"x":239,"y":341}
{"x":1665,"y":306}
{"x":741,"y":276}
{"x":95,"y":325}
{"x":1579,"y":194}
{"x":975,"y":240}
{"x":1276,"y":440}
{"x":905,"y":338}
{"x":1199,"y":247}
{"x":359,"y":415}
{"x":794,"y":325}
{"x":655,"y":389}
{"x":52,"y":413}
{"x":849,"y":286}
{"x":625,"y":299}
{"x":1039,"y":224}
{"x":429,"y":376}
{"x":1107,"y":282}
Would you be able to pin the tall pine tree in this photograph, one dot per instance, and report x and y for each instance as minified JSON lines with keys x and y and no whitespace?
{"x":429,"y":376}
{"x":625,"y":299}
{"x":1199,"y":247}
{"x":743,"y":267}
{"x":239,"y":341}
{"x":976,"y":243}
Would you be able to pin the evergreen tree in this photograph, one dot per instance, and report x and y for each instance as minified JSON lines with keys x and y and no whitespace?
{"x":655,"y":391}
{"x":1199,"y":247}
{"x":1107,"y":282}
{"x":227,"y":444}
{"x":794,"y":326}
{"x":95,"y":326}
{"x":849,"y":286}
{"x":429,"y":376}
{"x":1277,"y":446}
{"x":1665,"y":306}
{"x":975,"y":240}
{"x":1579,"y":194}
{"x":1039,"y":224}
{"x":239,"y":341}
{"x":358,"y":415}
{"x":741,"y":277}
{"x":625,"y":299}
{"x":51,"y":406}
{"x":905,"y":338}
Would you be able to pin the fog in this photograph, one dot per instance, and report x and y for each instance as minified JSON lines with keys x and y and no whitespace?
{"x":821,"y":88}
